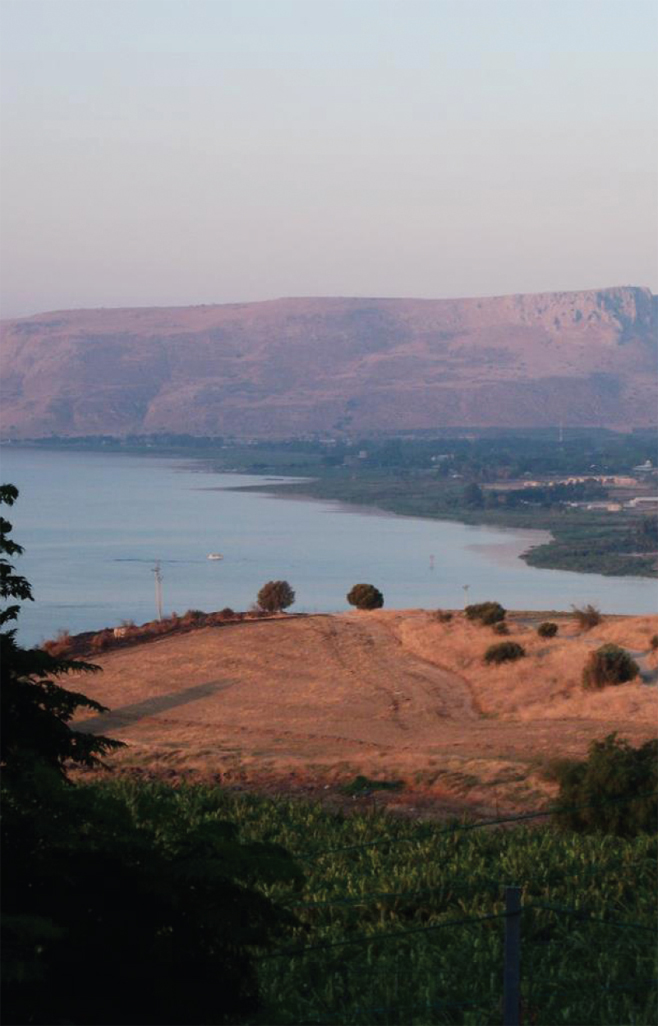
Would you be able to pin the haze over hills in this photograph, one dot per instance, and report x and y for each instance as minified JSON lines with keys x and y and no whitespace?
{"x":293,"y":366}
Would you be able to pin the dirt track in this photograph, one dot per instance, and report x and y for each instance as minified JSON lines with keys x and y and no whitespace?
{"x":387,"y":693}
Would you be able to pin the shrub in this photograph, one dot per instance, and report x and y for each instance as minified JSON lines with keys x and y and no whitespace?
{"x":486,"y":613}
{"x":365,"y":596}
{"x":226,"y":613}
{"x":500,"y":628}
{"x":613,"y":771}
{"x":58,"y":646}
{"x":587,"y":616}
{"x":610,"y":664}
{"x":193,"y":616}
{"x":275,"y":596}
{"x":653,"y":644}
{"x":504,"y":652}
{"x":101,"y":641}
{"x":443,"y":616}
{"x":364,"y":785}
{"x":547,"y":629}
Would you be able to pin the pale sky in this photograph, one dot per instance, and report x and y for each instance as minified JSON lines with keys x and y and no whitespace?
{"x":173,"y":152}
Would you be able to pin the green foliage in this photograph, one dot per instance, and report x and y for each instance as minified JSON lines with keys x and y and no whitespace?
{"x":11,"y":585}
{"x":609,"y":664}
{"x":364,"y":785}
{"x":613,"y":769}
{"x":98,"y":887}
{"x":365,"y":596}
{"x":547,"y":629}
{"x":486,"y":613}
{"x":653,"y":644}
{"x":275,"y":596}
{"x":573,"y":971}
{"x":473,"y":495}
{"x":128,"y":887}
{"x":646,"y":534}
{"x":587,"y":616}
{"x":500,"y":628}
{"x":443,"y":615}
{"x":504,"y":652}
{"x":36,"y":712}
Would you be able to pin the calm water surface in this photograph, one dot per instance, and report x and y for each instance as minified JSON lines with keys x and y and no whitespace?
{"x":93,"y":525}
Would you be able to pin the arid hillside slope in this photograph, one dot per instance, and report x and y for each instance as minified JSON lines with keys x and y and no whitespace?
{"x":300,"y":365}
{"x":395,"y":694}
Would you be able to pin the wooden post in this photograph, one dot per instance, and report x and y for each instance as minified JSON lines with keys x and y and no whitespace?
{"x":512,"y":974}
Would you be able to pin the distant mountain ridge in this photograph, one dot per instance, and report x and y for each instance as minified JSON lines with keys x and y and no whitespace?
{"x":295,"y":366}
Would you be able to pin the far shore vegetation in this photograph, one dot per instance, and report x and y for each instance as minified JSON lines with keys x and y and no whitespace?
{"x":576,"y":484}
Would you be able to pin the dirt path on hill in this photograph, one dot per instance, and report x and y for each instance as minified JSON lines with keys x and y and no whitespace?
{"x":328,"y":696}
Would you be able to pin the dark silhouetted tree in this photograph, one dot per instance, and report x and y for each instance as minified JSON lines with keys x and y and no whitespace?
{"x":365,"y":596}
{"x":614,"y":791}
{"x":275,"y":596}
{"x":99,"y":882}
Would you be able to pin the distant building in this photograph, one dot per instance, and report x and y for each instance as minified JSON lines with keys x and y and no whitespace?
{"x":644,"y":468}
{"x":643,"y":502}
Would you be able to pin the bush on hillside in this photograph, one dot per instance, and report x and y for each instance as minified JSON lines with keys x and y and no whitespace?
{"x":443,"y":616}
{"x":653,"y":644}
{"x":500,"y":628}
{"x":596,"y":790}
{"x":58,"y":646}
{"x":504,"y":652}
{"x":193,"y":616}
{"x":275,"y":596}
{"x":365,"y":596}
{"x":101,"y":641}
{"x":587,"y":616}
{"x":486,"y":613}
{"x":547,"y":629}
{"x":609,"y":664}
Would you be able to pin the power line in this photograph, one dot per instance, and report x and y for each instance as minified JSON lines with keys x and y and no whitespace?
{"x":589,"y":918}
{"x":376,"y":937}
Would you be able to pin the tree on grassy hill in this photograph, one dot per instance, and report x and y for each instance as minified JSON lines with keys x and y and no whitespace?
{"x":275,"y":596}
{"x":613,"y":791}
{"x":365,"y":596}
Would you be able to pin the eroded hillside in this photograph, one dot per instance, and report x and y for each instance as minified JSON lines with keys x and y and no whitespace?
{"x":298,"y":365}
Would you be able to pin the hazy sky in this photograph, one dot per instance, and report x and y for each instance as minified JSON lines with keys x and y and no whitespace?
{"x":168,"y":152}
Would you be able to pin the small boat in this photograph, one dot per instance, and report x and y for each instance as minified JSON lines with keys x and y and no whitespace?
{"x":215,"y":555}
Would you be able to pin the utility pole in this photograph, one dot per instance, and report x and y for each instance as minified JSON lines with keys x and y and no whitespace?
{"x":465,"y":587}
{"x":158,"y":589}
{"x":512,"y":973}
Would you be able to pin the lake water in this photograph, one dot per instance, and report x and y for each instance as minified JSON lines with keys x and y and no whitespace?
{"x":93,"y":526}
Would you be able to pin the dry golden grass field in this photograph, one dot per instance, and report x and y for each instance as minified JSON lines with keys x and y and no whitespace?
{"x":303,"y":703}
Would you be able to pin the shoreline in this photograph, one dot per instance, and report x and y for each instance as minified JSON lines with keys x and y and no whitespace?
{"x":287,"y":486}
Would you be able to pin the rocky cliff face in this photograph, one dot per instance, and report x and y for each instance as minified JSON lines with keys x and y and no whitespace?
{"x":300,"y":365}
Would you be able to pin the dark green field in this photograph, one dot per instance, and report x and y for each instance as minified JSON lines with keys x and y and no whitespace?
{"x":409,"y":929}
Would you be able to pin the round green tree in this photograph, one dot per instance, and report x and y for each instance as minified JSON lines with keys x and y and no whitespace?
{"x":365,"y":596}
{"x":275,"y":596}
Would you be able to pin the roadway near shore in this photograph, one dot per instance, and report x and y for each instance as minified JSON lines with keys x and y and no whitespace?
{"x":301,"y":704}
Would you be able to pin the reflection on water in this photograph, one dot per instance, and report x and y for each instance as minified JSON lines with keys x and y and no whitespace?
{"x":93,"y":526}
